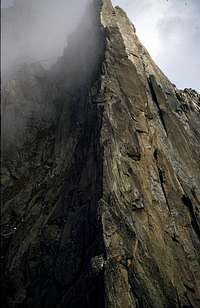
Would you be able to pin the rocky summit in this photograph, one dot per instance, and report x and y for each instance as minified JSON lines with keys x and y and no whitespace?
{"x":101,"y":186}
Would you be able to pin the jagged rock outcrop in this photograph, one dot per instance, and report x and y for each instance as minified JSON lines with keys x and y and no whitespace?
{"x":101,"y":209}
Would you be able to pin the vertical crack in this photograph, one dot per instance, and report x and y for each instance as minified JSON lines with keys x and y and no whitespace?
{"x":195,"y":224}
{"x":156,"y":96}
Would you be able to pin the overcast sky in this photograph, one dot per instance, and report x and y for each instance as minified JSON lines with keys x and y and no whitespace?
{"x":170,"y":30}
{"x":5,"y":3}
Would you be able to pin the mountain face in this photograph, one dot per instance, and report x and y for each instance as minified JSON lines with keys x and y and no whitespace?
{"x":101,"y":187}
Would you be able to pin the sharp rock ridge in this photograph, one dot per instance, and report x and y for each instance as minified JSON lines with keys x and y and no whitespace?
{"x":101,"y":204}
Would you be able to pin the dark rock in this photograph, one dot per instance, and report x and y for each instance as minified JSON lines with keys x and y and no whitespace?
{"x":101,"y":202}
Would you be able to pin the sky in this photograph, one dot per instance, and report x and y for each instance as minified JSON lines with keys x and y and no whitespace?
{"x":37,"y":31}
{"x":170,"y":30}
{"x":43,"y":33}
{"x":6,"y":3}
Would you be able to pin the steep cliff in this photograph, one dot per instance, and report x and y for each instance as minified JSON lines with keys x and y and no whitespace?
{"x":101,"y":204}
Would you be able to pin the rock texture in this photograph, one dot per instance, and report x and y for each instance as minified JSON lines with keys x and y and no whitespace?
{"x":101,"y":204}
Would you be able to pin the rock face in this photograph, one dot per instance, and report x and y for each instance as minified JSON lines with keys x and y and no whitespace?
{"x":101,"y":206}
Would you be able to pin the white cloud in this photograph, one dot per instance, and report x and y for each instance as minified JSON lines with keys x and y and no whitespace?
{"x":6,"y":3}
{"x":170,"y":30}
{"x":37,"y":30}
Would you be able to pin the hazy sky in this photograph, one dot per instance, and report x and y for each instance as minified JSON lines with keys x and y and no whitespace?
{"x":170,"y":30}
{"x":38,"y":30}
{"x":5,"y":3}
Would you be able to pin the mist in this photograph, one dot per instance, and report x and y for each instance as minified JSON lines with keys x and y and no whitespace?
{"x":37,"y":31}
{"x":49,"y":49}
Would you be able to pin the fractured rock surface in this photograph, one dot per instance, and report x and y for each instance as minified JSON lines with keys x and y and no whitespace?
{"x":101,"y":204}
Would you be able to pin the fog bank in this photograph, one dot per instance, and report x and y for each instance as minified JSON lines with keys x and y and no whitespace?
{"x":50,"y":50}
{"x":35,"y":30}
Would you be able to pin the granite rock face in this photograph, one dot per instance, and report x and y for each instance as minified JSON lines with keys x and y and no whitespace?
{"x":101,"y":204}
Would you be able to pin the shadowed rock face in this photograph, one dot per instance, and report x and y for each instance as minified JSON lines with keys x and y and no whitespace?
{"x":101,"y":204}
